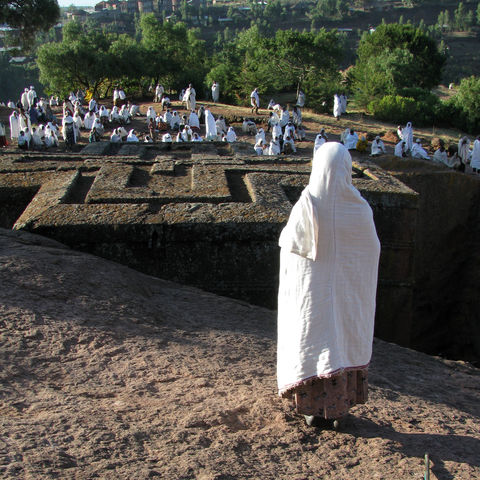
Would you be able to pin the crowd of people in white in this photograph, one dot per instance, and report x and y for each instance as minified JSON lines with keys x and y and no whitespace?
{"x":33,"y":125}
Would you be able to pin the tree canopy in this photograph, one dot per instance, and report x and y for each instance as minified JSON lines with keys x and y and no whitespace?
{"x":393,"y":58}
{"x":30,"y":16}
{"x":286,"y":61}
{"x":94,"y":60}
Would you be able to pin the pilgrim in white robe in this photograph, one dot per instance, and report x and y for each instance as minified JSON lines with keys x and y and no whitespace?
{"x":259,"y":150}
{"x":351,"y":140}
{"x":231,"y":135}
{"x":260,"y":135}
{"x":175,"y":122}
{"x":24,"y":99}
{"x":288,"y":145}
{"x":193,"y":121}
{"x":10,"y":104}
{"x":337,"y":106}
{"x":249,"y":127}
{"x":400,"y":149}
{"x":440,"y":156}
{"x":78,"y":120}
{"x":464,"y":150}
{"x":115,"y":137}
{"x":167,"y":138}
{"x":210,"y":126}
{"x":97,"y":124}
{"x":132,"y":138}
{"x":328,"y":279}
{"x":300,"y":99}
{"x":215,"y":92}
{"x":475,"y":160}
{"x":197,"y":138}
{"x":377,"y":147}
{"x":274,"y":147}
{"x":284,"y":117}
{"x":89,"y":120}
{"x":418,"y":151}
{"x":407,"y":135}
{"x":190,"y":98}
{"x":14,"y":125}
{"x":151,"y":114}
{"x":289,"y":131}
{"x":221,"y":125}
{"x":51,"y":139}
{"x":255,"y":100}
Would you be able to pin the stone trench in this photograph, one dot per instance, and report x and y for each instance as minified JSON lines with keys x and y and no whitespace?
{"x":209,"y":215}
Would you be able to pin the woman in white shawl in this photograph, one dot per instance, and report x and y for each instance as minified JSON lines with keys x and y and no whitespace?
{"x":260,"y":135}
{"x":475,"y":162}
{"x":337,"y":106}
{"x":175,"y":121}
{"x":151,"y":114}
{"x":274,"y":147}
{"x":77,"y":119}
{"x":14,"y":125}
{"x":326,"y":300}
{"x":407,"y":135}
{"x":132,"y":138}
{"x":464,"y":150}
{"x":215,"y":92}
{"x":89,"y":120}
{"x":231,"y":135}
{"x":210,"y":126}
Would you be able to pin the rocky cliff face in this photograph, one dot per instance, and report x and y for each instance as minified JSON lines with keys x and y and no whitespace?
{"x":446,"y":308}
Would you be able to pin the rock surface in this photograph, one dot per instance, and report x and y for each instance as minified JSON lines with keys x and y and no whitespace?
{"x":109,"y":373}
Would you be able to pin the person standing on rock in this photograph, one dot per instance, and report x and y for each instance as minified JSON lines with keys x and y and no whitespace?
{"x":326,"y":300}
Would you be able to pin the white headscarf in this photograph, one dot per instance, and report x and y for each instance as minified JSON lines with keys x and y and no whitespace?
{"x":210,"y":126}
{"x":328,"y":275}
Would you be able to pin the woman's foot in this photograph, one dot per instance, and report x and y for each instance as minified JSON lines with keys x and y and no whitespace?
{"x":320,"y":422}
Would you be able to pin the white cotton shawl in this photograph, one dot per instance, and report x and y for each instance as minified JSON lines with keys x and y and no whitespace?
{"x":328,"y":276}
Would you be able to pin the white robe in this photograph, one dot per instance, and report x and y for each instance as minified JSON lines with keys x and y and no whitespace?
{"x":132,"y":138}
{"x":407,"y":135}
{"x":377,"y":148}
{"x":231,"y":135}
{"x":210,"y":126}
{"x":400,"y":149}
{"x":328,"y":276}
{"x":254,"y":99}
{"x":274,"y":148}
{"x":419,"y":152}
{"x":260,"y":135}
{"x":89,"y":120}
{"x":14,"y":126}
{"x":193,"y":120}
{"x":215,"y":92}
{"x":475,"y":161}
{"x":351,"y":141}
{"x":464,"y":149}
{"x":440,"y":157}
{"x":337,"y":106}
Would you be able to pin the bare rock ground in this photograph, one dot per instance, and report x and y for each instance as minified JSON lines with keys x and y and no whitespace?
{"x":108,"y":373}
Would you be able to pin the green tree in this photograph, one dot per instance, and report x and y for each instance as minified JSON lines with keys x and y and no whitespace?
{"x":30,"y":16}
{"x":393,"y":58}
{"x":467,"y":103}
{"x":81,"y":60}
